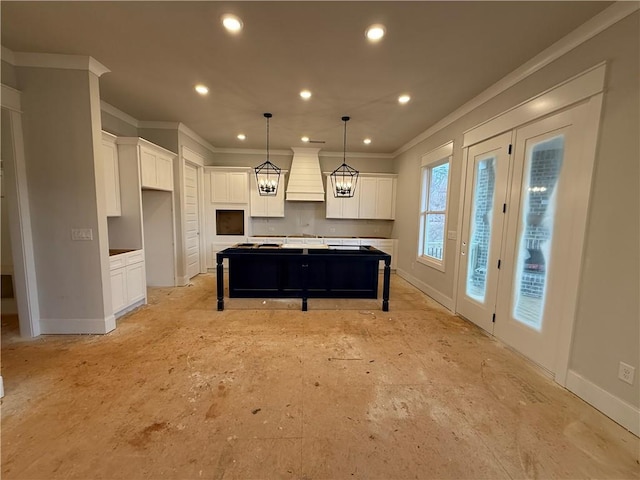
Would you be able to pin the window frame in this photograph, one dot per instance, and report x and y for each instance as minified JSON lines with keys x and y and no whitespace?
{"x":433,"y":159}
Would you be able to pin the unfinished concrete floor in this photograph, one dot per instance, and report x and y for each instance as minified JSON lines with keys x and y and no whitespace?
{"x":263,"y":390}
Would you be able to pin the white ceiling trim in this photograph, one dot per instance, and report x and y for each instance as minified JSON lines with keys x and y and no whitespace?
{"x":182,"y":128}
{"x":55,"y":60}
{"x":577,"y":88}
{"x":119,"y":114}
{"x":584,"y":32}
{"x":253,"y":151}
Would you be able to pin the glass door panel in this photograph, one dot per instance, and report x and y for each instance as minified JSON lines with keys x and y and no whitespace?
{"x":537,"y":216}
{"x":480,"y":235}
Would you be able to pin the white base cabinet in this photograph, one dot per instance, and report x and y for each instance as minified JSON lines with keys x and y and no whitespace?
{"x":128,"y":281}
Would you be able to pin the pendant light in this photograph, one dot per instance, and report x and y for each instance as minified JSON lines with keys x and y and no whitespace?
{"x":344,"y":178}
{"x":267,"y":174}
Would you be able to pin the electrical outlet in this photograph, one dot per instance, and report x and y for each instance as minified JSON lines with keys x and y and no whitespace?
{"x":626,"y":373}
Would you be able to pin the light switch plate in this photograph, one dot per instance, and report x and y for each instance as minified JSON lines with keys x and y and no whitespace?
{"x":81,"y":234}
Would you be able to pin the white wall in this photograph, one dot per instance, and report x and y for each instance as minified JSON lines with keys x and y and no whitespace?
{"x":607,"y":327}
{"x":64,"y":170}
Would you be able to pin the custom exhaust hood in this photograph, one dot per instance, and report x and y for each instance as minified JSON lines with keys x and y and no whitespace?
{"x":305,"y":178}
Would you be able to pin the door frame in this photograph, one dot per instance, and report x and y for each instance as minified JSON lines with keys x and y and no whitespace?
{"x":587,"y":87}
{"x":24,"y":267}
{"x":195,"y":160}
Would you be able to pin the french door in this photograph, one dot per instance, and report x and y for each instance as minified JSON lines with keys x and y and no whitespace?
{"x":485,"y":194}
{"x":517,"y":225}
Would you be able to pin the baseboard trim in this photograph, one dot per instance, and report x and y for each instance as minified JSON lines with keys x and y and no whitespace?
{"x":439,"y":297}
{"x":75,"y":326}
{"x":613,"y":407}
{"x":130,"y":308}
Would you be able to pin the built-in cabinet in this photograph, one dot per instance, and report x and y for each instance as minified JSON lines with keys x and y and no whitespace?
{"x":128,"y":281}
{"x":111,"y":174}
{"x":377,"y":198}
{"x":229,"y":186}
{"x":156,"y":167}
{"x":374,"y":199}
{"x":267,"y":206}
{"x":345,"y":207}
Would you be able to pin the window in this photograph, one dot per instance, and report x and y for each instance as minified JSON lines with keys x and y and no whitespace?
{"x":433,"y":206}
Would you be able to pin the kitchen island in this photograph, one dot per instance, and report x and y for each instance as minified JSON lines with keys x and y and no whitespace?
{"x":271,"y":271}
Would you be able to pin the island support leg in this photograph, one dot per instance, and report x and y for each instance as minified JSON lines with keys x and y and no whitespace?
{"x":220,"y":282}
{"x":385,"y":286}
{"x":305,"y":279}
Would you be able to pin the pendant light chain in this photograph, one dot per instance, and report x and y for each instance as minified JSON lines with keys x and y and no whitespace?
{"x":267,"y":174}
{"x":344,"y":149}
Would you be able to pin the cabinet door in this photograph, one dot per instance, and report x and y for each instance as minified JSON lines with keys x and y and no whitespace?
{"x":164,"y":173}
{"x":237,"y":187}
{"x":136,"y":283}
{"x":348,"y":207}
{"x":258,"y":203}
{"x":385,"y":199}
{"x":219,"y":187}
{"x":111,"y":178}
{"x":333,"y":204}
{"x":368,"y":197}
{"x":148,"y":168}
{"x":118,"y":289}
{"x":351,"y":205}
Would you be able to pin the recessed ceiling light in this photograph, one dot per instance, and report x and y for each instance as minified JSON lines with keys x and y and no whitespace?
{"x":306,"y":94}
{"x":242,"y":136}
{"x":305,"y":139}
{"x":366,"y":141}
{"x":201,"y":89}
{"x":232,"y":23}
{"x":404,"y":98}
{"x":375,"y":32}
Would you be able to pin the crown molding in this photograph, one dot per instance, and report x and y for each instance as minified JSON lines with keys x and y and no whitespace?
{"x":182,"y":128}
{"x":119,"y":114}
{"x":252,"y":151}
{"x":158,"y":125}
{"x":10,"y":98}
{"x":54,"y":60}
{"x":249,"y":151}
{"x":605,"y":19}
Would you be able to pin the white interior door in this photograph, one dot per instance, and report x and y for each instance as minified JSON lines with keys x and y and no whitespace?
{"x":192,"y":220}
{"x":483,"y":220}
{"x":531,"y":294}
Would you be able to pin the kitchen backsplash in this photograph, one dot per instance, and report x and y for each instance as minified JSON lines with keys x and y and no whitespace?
{"x":309,"y":218}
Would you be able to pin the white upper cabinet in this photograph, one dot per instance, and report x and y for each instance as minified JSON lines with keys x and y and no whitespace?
{"x":345,"y":207}
{"x":111,"y":174}
{"x":228,"y":186}
{"x":156,"y":168}
{"x":377,"y":197}
{"x":374,"y":199}
{"x":267,"y":206}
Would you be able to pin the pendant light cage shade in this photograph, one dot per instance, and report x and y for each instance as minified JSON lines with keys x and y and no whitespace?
{"x":267,"y":174}
{"x":267,"y":179}
{"x":344,"y":178}
{"x":343,"y":181}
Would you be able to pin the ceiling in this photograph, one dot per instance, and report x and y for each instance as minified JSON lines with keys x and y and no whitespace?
{"x":441,"y":53}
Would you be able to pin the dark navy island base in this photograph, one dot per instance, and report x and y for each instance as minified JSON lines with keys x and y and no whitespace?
{"x":269,"y":271}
